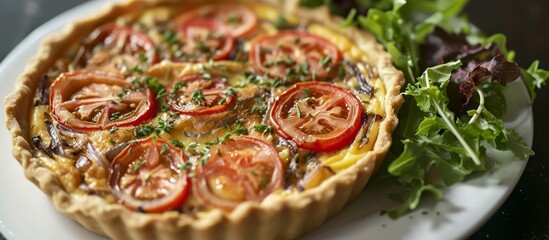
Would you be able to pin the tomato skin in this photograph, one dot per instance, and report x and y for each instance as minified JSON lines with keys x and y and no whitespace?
{"x":146,"y":164}
{"x":68,"y":84}
{"x":130,"y":39}
{"x":304,"y":127}
{"x":241,"y":169}
{"x":239,"y":20}
{"x":289,"y":51}
{"x":214,"y":89}
{"x":205,"y":39}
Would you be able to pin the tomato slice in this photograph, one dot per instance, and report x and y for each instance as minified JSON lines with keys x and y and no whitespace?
{"x":94,"y":100}
{"x":239,"y":20}
{"x":148,"y":176}
{"x":127,"y":40}
{"x":238,"y":170}
{"x":318,"y":116}
{"x":195,"y":95}
{"x":294,"y":55}
{"x":205,"y":39}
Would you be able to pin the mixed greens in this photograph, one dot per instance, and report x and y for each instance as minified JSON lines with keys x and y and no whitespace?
{"x":454,"y":102}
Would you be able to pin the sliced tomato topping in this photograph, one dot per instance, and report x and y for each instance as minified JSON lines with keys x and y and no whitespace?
{"x":204,"y":39}
{"x":148,"y":176}
{"x":195,"y":95}
{"x":240,"y":21}
{"x":238,"y":170}
{"x":295,"y":56}
{"x":95,"y":101}
{"x":126,"y":40}
{"x":318,"y":116}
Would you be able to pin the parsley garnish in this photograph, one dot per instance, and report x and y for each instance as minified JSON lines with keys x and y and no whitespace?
{"x":240,"y":129}
{"x":164,"y":148}
{"x":143,"y":130}
{"x":281,"y":22}
{"x":163,"y":126}
{"x":177,"y":143}
{"x":307,"y":92}
{"x":325,"y":60}
{"x":113,"y":129}
{"x":136,"y":166}
{"x":198,"y":97}
{"x":186,"y":166}
{"x":115,"y":115}
{"x":264,"y":128}
{"x":204,"y":159}
{"x":230,"y":92}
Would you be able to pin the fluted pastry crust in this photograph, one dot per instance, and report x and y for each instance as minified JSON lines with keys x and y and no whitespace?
{"x":276,"y":217}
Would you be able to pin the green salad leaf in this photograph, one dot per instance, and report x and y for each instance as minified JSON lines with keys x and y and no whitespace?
{"x":454,"y":101}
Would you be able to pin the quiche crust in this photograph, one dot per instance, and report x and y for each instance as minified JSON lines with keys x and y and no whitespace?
{"x":276,"y":217}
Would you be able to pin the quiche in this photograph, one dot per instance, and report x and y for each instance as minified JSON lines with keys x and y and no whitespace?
{"x":204,"y":119}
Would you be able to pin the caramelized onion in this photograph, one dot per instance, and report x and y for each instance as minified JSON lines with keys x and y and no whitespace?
{"x":94,"y":155}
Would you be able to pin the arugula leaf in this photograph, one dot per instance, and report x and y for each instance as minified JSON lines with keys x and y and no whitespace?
{"x":534,"y":78}
{"x":454,"y":97}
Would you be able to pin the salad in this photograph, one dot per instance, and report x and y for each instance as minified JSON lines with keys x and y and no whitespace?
{"x":454,"y":102}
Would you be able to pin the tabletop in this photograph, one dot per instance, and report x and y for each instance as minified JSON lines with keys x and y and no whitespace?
{"x":525,"y":214}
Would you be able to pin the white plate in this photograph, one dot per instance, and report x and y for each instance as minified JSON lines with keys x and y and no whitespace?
{"x":26,"y":213}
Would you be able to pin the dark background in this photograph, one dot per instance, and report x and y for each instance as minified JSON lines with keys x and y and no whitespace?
{"x":525,"y":215}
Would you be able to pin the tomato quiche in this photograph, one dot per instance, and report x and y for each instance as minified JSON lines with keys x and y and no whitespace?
{"x":204,"y":119}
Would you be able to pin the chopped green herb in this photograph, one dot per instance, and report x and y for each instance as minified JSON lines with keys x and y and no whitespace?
{"x":198,"y":97}
{"x":240,"y":129}
{"x":153,"y":84}
{"x":169,"y":36}
{"x":325,"y":60}
{"x":281,"y":22}
{"x":163,"y":126}
{"x":111,"y":141}
{"x":164,"y":148}
{"x":349,"y":20}
{"x":115,"y":115}
{"x":192,"y":145}
{"x":204,"y":159}
{"x":186,"y":166}
{"x":136,"y":166}
{"x":262,"y":183}
{"x":299,"y":113}
{"x":162,"y":93}
{"x":264,"y":128}
{"x":177,"y":143}
{"x":307,"y":92}
{"x":113,"y":129}
{"x":143,"y":130}
{"x":137,"y":69}
{"x":142,"y":57}
{"x":202,"y":47}
{"x":225,"y":138}
{"x":178,"y":86}
{"x":230,"y":92}
{"x":232,"y":18}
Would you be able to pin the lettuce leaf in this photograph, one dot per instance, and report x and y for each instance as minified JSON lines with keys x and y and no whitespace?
{"x":454,"y":98}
